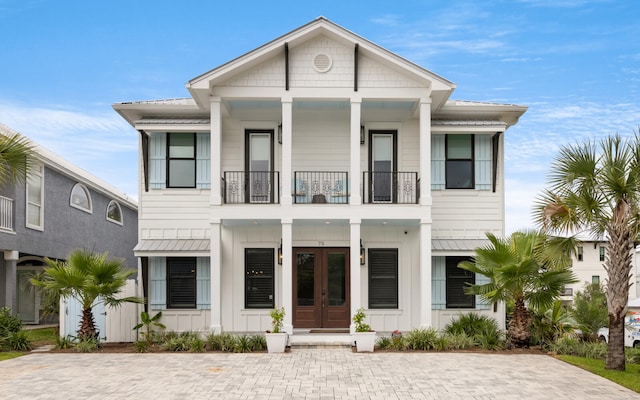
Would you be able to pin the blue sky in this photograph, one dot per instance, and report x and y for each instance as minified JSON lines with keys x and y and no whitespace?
{"x":574,"y":63}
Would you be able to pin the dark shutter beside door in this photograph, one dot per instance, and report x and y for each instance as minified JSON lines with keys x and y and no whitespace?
{"x":383,"y":278}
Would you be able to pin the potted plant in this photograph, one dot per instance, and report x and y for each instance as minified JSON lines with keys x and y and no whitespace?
{"x":364,"y":337}
{"x":276,"y":339}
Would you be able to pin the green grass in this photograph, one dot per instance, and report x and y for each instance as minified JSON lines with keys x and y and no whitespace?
{"x":7,"y":355}
{"x":44,"y":336}
{"x":630,"y":378}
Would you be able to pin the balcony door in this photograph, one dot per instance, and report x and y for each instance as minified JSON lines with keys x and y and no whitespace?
{"x":321,"y":288}
{"x":258,"y":166}
{"x":382,"y":164}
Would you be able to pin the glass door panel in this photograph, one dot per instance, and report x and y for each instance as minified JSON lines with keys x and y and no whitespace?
{"x":259,"y":166}
{"x":382,"y":166}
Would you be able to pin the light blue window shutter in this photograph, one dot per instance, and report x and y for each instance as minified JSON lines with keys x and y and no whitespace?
{"x":438,"y":283}
{"x":158,"y":161}
{"x":483,"y":162}
{"x":203,"y":160}
{"x":158,"y":289}
{"x":438,"y":179}
{"x":482,"y":304}
{"x":203,"y":288}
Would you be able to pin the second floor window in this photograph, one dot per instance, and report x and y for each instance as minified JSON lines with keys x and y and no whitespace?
{"x":602,"y":253}
{"x":181,"y":160}
{"x":35,"y":198}
{"x":459,"y":164}
{"x":580,"y":253}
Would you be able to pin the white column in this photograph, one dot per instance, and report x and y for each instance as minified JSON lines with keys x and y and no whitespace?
{"x":11,"y":287}
{"x":287,"y":274}
{"x":287,"y":132}
{"x":425,"y":273}
{"x":356,"y":198}
{"x":216,"y":275}
{"x":355,"y":267}
{"x":216,"y":150}
{"x":425,"y":151}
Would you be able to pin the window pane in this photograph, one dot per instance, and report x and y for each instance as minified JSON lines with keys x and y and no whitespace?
{"x":457,"y":280}
{"x":259,"y":278}
{"x":305,"y":279}
{"x":383,"y":278}
{"x":181,"y":283}
{"x":181,"y":145}
{"x":113,"y":212}
{"x":33,"y":215}
{"x":336,"y":271}
{"x":182,"y":173}
{"x":459,"y":174}
{"x":80,"y":197}
{"x":459,"y":147}
{"x":34,"y":189}
{"x":261,"y":148}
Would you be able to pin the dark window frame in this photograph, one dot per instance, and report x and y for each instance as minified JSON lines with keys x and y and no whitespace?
{"x":603,"y":252}
{"x":377,"y":302}
{"x":580,"y":253}
{"x":456,"y":280}
{"x":174,"y":262}
{"x":193,"y":159}
{"x":449,"y":162}
{"x":253,"y":275}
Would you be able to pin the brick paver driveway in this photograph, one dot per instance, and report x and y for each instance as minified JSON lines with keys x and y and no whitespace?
{"x":300,"y":374}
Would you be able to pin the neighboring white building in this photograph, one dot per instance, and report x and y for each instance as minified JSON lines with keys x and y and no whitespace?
{"x":588,"y":266}
{"x":322,"y":173}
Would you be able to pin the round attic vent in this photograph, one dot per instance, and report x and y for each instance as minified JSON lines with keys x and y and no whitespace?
{"x":322,"y":62}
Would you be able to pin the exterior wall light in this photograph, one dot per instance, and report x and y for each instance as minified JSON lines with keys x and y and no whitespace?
{"x":361,"y":253}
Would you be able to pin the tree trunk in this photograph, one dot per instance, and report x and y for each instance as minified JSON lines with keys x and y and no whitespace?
{"x":87,"y":325}
{"x":520,"y":325}
{"x":618,"y":266}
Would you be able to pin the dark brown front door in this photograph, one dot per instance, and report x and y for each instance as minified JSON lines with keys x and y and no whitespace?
{"x":321,"y":288}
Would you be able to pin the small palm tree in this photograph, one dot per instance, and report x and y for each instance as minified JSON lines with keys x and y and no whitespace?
{"x":528,"y":268}
{"x":91,"y":279}
{"x":16,"y":155}
{"x":596,"y":189}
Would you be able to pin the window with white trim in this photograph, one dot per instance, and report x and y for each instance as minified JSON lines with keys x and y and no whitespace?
{"x":181,"y":160}
{"x":35,"y":198}
{"x":114,"y":212}
{"x":459,"y":162}
{"x":181,"y":282}
{"x":259,"y":284}
{"x":457,"y":280}
{"x":383,"y":278}
{"x":81,"y":198}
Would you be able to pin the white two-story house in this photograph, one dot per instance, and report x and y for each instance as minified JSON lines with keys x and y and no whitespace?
{"x":320,"y":173}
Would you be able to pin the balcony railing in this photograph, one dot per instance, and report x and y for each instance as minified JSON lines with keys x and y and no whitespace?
{"x":320,"y":187}
{"x":6,"y":213}
{"x":390,"y":187}
{"x":251,"y":187}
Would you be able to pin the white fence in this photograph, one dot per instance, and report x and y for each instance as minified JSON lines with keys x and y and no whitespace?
{"x":115,"y":324}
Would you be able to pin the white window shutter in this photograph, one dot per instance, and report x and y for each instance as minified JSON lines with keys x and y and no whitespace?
{"x":158,"y":289}
{"x":203,"y":160}
{"x":438,"y":177}
{"x":483,"y":162}
{"x":438,"y":283}
{"x":203,"y":287}
{"x":158,"y":160}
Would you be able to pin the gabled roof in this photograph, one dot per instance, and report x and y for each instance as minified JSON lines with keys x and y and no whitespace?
{"x":199,"y":86}
{"x":54,"y":161}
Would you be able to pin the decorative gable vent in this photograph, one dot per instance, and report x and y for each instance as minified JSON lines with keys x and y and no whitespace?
{"x":322,"y":62}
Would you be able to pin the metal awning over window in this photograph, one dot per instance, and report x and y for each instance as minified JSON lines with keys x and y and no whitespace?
{"x":461,"y":245}
{"x":172,"y":247}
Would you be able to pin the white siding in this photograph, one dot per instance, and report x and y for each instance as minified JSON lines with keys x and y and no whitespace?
{"x":465,"y":214}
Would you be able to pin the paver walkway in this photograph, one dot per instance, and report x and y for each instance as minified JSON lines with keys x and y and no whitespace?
{"x":300,"y":374}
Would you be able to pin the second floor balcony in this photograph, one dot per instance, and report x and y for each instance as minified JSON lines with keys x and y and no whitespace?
{"x":6,"y":213}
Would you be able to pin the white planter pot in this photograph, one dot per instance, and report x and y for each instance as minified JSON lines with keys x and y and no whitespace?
{"x":276,"y":342}
{"x":365,"y":341}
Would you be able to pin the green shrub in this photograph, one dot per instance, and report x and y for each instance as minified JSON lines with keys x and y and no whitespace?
{"x":65,"y":342}
{"x":383,"y":342}
{"x":18,"y":341}
{"x":8,"y":323}
{"x":632,"y":355}
{"x":490,"y":338}
{"x":460,"y":341}
{"x":86,"y":345}
{"x":258,"y":343}
{"x":572,"y":346}
{"x":141,"y":346}
{"x":185,"y":341}
{"x":471,"y":324}
{"x":421,"y":339}
{"x":221,"y":342}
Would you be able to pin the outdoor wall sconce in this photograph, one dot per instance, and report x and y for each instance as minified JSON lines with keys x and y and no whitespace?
{"x":361,"y":134}
{"x":280,"y":253}
{"x":361,"y":253}
{"x":280,"y":134}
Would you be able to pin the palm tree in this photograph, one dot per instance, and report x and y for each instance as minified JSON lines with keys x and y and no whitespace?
{"x":16,"y":154}
{"x":597,"y":190}
{"x":528,"y":268}
{"x":91,"y":279}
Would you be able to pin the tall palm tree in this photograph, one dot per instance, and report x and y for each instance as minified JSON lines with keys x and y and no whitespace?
{"x":596,"y":189}
{"x":16,"y":154}
{"x":91,"y":279}
{"x":528,"y":268}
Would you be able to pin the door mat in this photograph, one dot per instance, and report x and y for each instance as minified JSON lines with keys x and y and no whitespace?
{"x":329,"y":331}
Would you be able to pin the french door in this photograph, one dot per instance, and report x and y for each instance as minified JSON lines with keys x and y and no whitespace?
{"x":382,"y":164}
{"x":259,"y":166}
{"x":321,"y":288}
